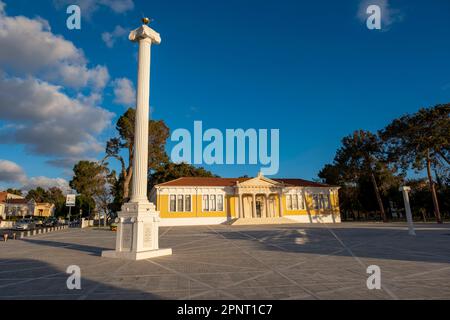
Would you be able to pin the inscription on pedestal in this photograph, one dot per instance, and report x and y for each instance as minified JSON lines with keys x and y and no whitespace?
{"x":148,"y":235}
{"x":127,"y":229}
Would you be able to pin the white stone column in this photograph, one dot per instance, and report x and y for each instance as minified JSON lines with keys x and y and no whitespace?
{"x":138,"y":229}
{"x":409,"y":218}
{"x":254,"y":206}
{"x":280,"y":203}
{"x":241,"y":204}
{"x":266,"y":204}
{"x":140,"y":168}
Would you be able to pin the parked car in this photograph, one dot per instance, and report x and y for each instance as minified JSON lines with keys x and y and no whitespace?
{"x":50,"y":222}
{"x":25,"y":224}
{"x":39,"y":222}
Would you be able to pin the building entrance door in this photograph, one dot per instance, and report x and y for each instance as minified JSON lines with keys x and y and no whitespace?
{"x":259,"y":208}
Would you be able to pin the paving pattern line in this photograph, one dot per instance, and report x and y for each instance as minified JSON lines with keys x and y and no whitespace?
{"x":391,"y":294}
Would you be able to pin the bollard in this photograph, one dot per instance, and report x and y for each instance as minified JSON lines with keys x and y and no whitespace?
{"x":28,"y":233}
{"x":14,"y":236}
{"x":22,"y":235}
{"x":5,"y":237}
{"x":34,"y":232}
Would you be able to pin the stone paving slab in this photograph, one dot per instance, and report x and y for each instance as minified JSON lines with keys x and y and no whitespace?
{"x":236,"y":262}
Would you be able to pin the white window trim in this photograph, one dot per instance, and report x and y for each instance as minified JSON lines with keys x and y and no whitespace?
{"x":301,"y":205}
{"x":184,"y":202}
{"x":209,"y":202}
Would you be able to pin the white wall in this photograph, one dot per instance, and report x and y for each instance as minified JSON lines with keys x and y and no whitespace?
{"x":316,"y":218}
{"x":173,"y":222}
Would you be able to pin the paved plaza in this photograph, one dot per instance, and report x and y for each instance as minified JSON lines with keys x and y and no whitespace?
{"x":230,"y":262}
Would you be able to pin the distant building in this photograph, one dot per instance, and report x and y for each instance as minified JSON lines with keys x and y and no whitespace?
{"x":2,"y":211}
{"x":5,"y":196}
{"x":197,"y":201}
{"x":19,"y":207}
{"x":44,"y":210}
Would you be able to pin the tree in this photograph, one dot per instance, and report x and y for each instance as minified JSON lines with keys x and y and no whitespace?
{"x":158,"y":135}
{"x":15,"y":191}
{"x":360,"y":155}
{"x":89,"y":181}
{"x":102,"y":194}
{"x":171,"y":171}
{"x":421,"y":141}
{"x":38,"y":195}
{"x":56,"y":196}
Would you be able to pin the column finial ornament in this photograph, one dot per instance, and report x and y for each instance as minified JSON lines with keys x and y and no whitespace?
{"x":146,"y":21}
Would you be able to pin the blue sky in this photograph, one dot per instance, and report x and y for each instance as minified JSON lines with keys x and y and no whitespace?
{"x":311,"y":69}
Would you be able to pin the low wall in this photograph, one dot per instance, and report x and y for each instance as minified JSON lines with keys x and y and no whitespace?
{"x":322,"y":218}
{"x":86,"y":223}
{"x":7,"y":224}
{"x":173,"y":222}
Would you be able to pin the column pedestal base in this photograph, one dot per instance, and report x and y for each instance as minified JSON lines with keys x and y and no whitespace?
{"x":137,"y":255}
{"x":137,"y":233}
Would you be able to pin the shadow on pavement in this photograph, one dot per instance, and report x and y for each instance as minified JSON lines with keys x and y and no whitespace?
{"x":32,"y":279}
{"x":378,"y":243}
{"x":97,"y":251}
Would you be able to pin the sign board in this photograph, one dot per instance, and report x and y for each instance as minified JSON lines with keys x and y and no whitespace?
{"x":70,"y":200}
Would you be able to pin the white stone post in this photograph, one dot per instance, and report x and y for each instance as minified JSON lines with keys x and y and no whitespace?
{"x":138,"y":227}
{"x":409,"y":218}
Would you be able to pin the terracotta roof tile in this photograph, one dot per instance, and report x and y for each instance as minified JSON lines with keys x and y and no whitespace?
{"x":229,"y":182}
{"x":301,"y":183}
{"x":202,"y":182}
{"x":17,"y":201}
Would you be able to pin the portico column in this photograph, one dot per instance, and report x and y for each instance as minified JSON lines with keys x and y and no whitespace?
{"x":280,"y":203}
{"x":266,"y":203}
{"x":241,"y":204}
{"x":254,"y":206}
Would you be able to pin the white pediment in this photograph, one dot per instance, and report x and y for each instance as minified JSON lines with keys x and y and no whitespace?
{"x":259,"y":181}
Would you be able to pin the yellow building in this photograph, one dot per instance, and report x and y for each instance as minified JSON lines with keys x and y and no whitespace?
{"x":208,"y":201}
{"x":44,"y":210}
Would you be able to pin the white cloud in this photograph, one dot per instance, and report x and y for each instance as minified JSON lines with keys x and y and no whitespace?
{"x":30,"y":48}
{"x":38,"y":114}
{"x":124,"y":92}
{"x":12,"y":174}
{"x":389,"y":15}
{"x":47,"y":121}
{"x":88,"y":7}
{"x":46,"y":183}
{"x":110,"y":37}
